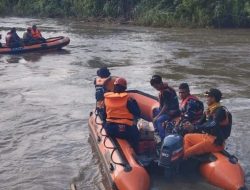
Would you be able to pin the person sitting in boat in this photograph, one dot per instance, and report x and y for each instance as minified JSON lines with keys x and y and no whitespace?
{"x":36,"y":34}
{"x":169,"y":105}
{"x":100,"y":82}
{"x":213,"y":129}
{"x":191,"y":107}
{"x":121,"y":112}
{"x":0,"y":39}
{"x":12,"y":39}
{"x":27,"y":37}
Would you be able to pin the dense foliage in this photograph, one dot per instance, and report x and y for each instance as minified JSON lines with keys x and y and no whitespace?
{"x":201,"y":13}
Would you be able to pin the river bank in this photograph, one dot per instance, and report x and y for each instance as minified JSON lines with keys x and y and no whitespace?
{"x":179,"y":13}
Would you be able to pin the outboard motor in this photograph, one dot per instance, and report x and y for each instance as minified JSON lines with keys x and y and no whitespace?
{"x":171,"y":153}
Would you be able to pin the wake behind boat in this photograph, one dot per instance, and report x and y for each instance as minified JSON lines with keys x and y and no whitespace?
{"x":53,"y":43}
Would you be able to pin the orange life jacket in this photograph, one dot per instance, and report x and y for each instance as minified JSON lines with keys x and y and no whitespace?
{"x":36,"y":34}
{"x":116,"y":108}
{"x":198,"y":110}
{"x":185,"y":101}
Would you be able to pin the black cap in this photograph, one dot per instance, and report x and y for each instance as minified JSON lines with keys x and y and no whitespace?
{"x":213,"y":92}
{"x":103,"y":72}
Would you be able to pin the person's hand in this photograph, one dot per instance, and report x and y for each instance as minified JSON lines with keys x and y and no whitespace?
{"x":188,"y":126}
{"x":154,"y":119}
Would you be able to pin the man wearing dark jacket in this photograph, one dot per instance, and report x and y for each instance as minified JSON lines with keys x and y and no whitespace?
{"x":0,"y":39}
{"x":169,"y":104}
{"x":212,"y":130}
{"x":12,"y":39}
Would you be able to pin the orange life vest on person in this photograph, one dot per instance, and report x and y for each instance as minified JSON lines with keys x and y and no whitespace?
{"x":36,"y":34}
{"x":116,"y":108}
{"x":199,"y":108}
{"x":185,"y":101}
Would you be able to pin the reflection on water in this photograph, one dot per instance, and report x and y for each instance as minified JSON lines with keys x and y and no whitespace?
{"x":45,"y":98}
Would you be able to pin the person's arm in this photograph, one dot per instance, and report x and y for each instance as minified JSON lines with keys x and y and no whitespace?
{"x":164,"y":109}
{"x":25,"y":36}
{"x":214,"y":123}
{"x":202,"y":119}
{"x":133,"y":107}
{"x":40,"y":34}
{"x":18,"y":38}
{"x":104,"y":114}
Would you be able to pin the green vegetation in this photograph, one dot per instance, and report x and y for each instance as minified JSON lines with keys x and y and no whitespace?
{"x":197,"y":13}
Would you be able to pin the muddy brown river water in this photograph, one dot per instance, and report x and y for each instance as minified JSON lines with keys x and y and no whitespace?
{"x":45,"y":98}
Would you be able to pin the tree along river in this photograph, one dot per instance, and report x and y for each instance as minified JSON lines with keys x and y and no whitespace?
{"x":45,"y":98}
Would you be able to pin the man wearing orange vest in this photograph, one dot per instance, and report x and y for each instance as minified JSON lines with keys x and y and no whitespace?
{"x":36,"y":34}
{"x":191,"y":107}
{"x":213,"y":129}
{"x":120,"y":114}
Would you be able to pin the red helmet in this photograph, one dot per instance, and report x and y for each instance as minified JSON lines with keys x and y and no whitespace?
{"x":121,"y":81}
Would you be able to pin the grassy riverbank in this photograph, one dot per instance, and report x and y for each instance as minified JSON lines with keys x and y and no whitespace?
{"x":168,"y":13}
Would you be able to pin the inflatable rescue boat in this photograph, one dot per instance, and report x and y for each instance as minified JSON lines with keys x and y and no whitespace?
{"x":51,"y":43}
{"x":126,"y":171}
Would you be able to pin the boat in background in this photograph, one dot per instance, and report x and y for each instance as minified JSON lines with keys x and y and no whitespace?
{"x":54,"y":43}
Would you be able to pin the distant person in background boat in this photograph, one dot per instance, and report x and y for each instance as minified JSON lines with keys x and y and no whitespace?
{"x":36,"y":34}
{"x":12,"y":39}
{"x":121,"y":111}
{"x":169,"y":105}
{"x":191,"y":107}
{"x":101,"y":82}
{"x":0,"y":39}
{"x":212,"y":130}
{"x":27,"y":37}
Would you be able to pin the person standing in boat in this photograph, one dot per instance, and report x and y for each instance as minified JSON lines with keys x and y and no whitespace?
{"x":36,"y":34}
{"x":212,"y":130}
{"x":121,"y":111}
{"x":101,"y":86}
{"x":12,"y":39}
{"x":169,"y":105}
{"x":191,"y":107}
{"x":27,"y":37}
